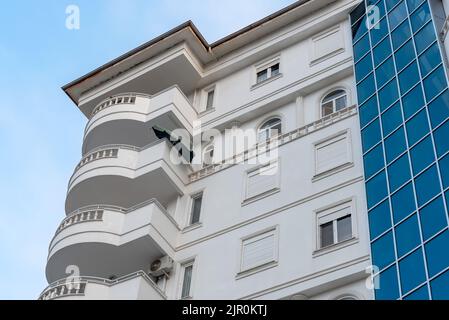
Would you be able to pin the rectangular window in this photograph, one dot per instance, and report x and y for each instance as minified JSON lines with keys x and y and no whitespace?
{"x":262,"y":180}
{"x":332,"y":153}
{"x":335,"y":225}
{"x":197,"y":201}
{"x":187,"y":272}
{"x":267,"y":71}
{"x":210,"y":99}
{"x":259,"y":250}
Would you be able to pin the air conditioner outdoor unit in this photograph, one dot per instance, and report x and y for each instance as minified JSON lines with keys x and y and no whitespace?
{"x":161,"y":266}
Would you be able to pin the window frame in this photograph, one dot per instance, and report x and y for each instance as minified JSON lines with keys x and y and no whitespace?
{"x":204,"y":99}
{"x":267,"y":66}
{"x":269,"y":129}
{"x":334,"y":107}
{"x":257,"y":170}
{"x":193,"y":198}
{"x":186,"y":264}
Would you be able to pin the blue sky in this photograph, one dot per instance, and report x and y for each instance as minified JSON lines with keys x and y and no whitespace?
{"x":41,"y":129}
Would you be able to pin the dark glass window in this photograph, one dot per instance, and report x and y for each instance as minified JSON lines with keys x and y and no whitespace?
{"x":366,"y":88}
{"x":363,"y":67}
{"x":379,"y":219}
{"x":358,"y":12}
{"x":403,"y":203}
{"x":439,"y":109}
{"x":412,"y":272}
{"x":439,"y":287}
{"x":427,"y":185}
{"x":399,"y":172}
{"x":373,"y":161}
{"x":361,"y":47}
{"x":384,"y":72}
{"x":376,"y":189}
{"x":413,"y":4}
{"x":388,"y":285}
{"x":436,"y":252}
{"x":383,"y":251}
{"x":359,"y":29}
{"x":381,"y":51}
{"x":196,"y":209}
{"x":391,"y":119}
{"x":444,"y":169}
{"x":368,"y":111}
{"x":435,"y":83}
{"x":413,"y":101}
{"x":395,"y":144}
{"x":371,"y":135}
{"x":433,"y":218}
{"x":417,"y":127}
{"x":424,"y":38}
{"x":429,"y":59}
{"x":441,"y":139}
{"x":422,"y":155}
{"x":397,"y":15}
{"x":420,"y":294}
{"x":327,"y":234}
{"x":409,"y":77}
{"x":388,"y":94}
{"x":420,"y":17}
{"x":407,"y":235}
{"x":404,"y":55}
{"x":401,"y":34}
{"x":379,"y":31}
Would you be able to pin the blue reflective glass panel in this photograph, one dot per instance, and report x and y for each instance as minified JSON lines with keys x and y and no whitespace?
{"x":391,"y":3}
{"x":420,"y":294}
{"x":361,"y":47}
{"x":420,"y":17}
{"x":412,"y":272}
{"x":379,"y":31}
{"x":373,"y":161}
{"x":435,"y":83}
{"x":395,"y":144}
{"x":413,"y":4}
{"x":440,"y":287}
{"x":417,"y":127}
{"x":436,"y":252}
{"x":422,"y":155}
{"x":383,"y":251}
{"x":388,"y":285}
{"x":381,"y":51}
{"x":404,"y":55}
{"x":359,"y":29}
{"x":433,"y":218}
{"x":427,"y":185}
{"x":403,"y":203}
{"x":439,"y":109}
{"x":409,"y":77}
{"x":376,"y":189}
{"x":366,"y":88}
{"x":441,"y":139}
{"x":391,"y":119}
{"x":397,"y":15}
{"x":444,"y":169}
{"x":388,"y":94}
{"x":401,"y":34}
{"x":371,"y":135}
{"x":407,"y":235}
{"x":363,"y":67}
{"x":368,"y":111}
{"x":429,"y":59}
{"x":424,"y":37}
{"x":379,"y":219}
{"x":399,"y":172}
{"x":385,"y":72}
{"x":413,"y":101}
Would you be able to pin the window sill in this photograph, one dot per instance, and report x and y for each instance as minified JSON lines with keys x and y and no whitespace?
{"x":206,"y":112}
{"x":260,"y":196}
{"x":192,"y":227}
{"x":334,"y":247}
{"x":332,"y":171}
{"x":260,"y":84}
{"x":263,"y":267}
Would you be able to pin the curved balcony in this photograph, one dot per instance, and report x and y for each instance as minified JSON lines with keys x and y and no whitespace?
{"x":135,"y":286}
{"x":105,"y":241}
{"x":136,"y":114}
{"x":125,"y":176}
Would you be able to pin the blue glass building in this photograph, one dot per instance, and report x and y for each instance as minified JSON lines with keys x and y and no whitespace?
{"x":403,"y":99}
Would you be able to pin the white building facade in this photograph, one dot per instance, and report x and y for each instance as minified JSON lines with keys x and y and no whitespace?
{"x":236,"y":224}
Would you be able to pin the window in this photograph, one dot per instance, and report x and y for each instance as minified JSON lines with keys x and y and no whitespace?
{"x":259,"y":249}
{"x":407,"y":235}
{"x":187,"y":273}
{"x":270,"y":129}
{"x":412,"y":272}
{"x":268,"y":73}
{"x":262,"y":181}
{"x":333,"y":153}
{"x":379,"y":219}
{"x":210,"y":99}
{"x":335,"y":225}
{"x":333,"y":102}
{"x":208,"y":155}
{"x":197,"y":201}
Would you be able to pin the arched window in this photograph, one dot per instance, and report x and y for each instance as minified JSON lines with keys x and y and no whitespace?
{"x":269,"y":129}
{"x":347,"y":297}
{"x":334,"y":101}
{"x":208,"y":155}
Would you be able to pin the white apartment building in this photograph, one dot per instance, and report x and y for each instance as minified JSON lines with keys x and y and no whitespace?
{"x":140,"y":226}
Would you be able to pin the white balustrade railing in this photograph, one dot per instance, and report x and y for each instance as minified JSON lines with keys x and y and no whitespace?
{"x":80,"y":217}
{"x":127,"y":98}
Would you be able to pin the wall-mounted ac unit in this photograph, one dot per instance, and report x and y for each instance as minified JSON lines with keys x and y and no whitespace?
{"x":161,"y":266}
